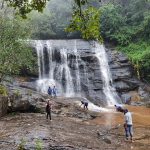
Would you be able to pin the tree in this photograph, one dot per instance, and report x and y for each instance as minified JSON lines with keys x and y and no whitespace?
{"x":26,"y":6}
{"x":88,"y":23}
{"x":90,"y":30}
{"x":52,"y":22}
{"x":111,"y":21}
{"x":128,"y":26}
{"x":14,"y":54}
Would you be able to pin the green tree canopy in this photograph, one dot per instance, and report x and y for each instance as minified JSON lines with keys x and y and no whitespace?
{"x":14,"y":54}
{"x":87,"y":23}
{"x":52,"y":22}
{"x":127,"y":25}
{"x":24,"y":7}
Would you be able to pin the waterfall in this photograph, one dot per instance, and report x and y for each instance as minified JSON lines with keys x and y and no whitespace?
{"x":38,"y":49}
{"x":77,"y":58}
{"x":55,"y":71}
{"x":50,"y":56}
{"x":70,"y":65}
{"x":109,"y":91}
{"x":68,"y":78}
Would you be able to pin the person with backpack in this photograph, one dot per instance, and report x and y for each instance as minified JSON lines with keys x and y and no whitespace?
{"x":48,"y":110}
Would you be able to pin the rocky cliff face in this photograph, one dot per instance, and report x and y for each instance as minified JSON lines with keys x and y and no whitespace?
{"x":91,"y":83}
{"x":24,"y":97}
{"x":122,"y":73}
{"x":84,"y":70}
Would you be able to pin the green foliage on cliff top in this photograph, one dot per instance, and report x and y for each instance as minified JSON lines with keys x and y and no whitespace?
{"x":139,"y":55}
{"x":128,"y":26}
{"x":87,"y":23}
{"x":127,"y":23}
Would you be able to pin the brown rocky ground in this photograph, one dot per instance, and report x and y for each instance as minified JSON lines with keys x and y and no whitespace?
{"x":73,"y":128}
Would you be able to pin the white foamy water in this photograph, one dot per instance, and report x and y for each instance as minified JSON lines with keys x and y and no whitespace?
{"x":53,"y":71}
{"x":108,"y":89}
{"x":93,"y":107}
{"x":44,"y":83}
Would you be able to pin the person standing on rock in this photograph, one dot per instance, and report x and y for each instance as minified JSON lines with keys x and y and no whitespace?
{"x":48,"y":110}
{"x":49,"y":91}
{"x":128,"y":125}
{"x":54,"y":91}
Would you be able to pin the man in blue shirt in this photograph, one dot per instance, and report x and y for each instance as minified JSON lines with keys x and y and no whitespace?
{"x":49,"y":91}
{"x":54,"y":92}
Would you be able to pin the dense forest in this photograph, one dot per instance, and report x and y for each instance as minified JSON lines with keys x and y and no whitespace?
{"x":126,"y":24}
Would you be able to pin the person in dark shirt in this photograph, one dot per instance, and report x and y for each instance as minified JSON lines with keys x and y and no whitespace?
{"x":48,"y":110}
{"x":85,"y":104}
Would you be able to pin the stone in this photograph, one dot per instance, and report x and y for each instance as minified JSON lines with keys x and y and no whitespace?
{"x":107,"y":140}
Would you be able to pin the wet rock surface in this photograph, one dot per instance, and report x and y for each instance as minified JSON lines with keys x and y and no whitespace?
{"x":73,"y":128}
{"x":88,"y":66}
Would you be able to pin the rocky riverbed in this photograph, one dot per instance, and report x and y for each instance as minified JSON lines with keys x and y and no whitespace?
{"x":73,"y":128}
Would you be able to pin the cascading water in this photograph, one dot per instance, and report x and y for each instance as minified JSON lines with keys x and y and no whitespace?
{"x":77,"y":58}
{"x":39,"y":46}
{"x":50,"y":56}
{"x":67,"y":65}
{"x":109,"y":91}
{"x":43,"y":82}
{"x":68,"y":78}
{"x":53,"y":71}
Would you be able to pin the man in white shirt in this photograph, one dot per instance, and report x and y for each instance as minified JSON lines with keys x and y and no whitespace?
{"x":128,"y":125}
